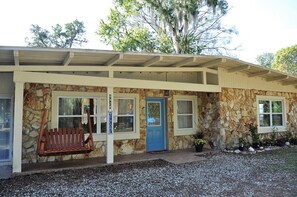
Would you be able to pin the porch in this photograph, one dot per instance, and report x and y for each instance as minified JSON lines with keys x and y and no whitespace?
{"x":174,"y":157}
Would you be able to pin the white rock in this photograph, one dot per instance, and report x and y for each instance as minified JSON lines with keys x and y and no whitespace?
{"x":287,"y":143}
{"x":251,"y":149}
{"x":237,"y":151}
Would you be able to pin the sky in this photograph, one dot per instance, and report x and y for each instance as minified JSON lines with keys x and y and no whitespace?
{"x":262,"y":25}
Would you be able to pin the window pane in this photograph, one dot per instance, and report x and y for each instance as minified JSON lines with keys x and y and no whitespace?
{"x":77,"y":106}
{"x":103,"y":107}
{"x":70,"y":106}
{"x":123,"y":124}
{"x":276,"y":106}
{"x":185,"y":121}
{"x":277,"y":120}
{"x":264,"y":107}
{"x":123,"y":106}
{"x":76,"y":122}
{"x":264,"y":120}
{"x":153,"y":113}
{"x":5,"y":130}
{"x":184,"y":107}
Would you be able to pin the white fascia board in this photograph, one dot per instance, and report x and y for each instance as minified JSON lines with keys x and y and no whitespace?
{"x":47,"y":78}
{"x":103,"y":69}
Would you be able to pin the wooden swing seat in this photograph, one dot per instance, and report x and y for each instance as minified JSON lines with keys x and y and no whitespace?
{"x":61,"y":141}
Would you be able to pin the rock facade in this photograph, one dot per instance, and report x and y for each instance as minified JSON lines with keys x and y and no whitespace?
{"x":221,"y":116}
{"x":238,"y":107}
{"x":38,"y":95}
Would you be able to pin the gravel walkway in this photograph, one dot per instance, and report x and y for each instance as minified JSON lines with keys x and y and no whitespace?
{"x":263,"y":174}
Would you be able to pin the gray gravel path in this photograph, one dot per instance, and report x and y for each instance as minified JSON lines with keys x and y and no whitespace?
{"x":264,"y":174}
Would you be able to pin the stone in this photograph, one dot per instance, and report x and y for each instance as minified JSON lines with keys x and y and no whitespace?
{"x":29,"y":150}
{"x":33,"y":134}
{"x":237,"y":151}
{"x":36,"y":126}
{"x":51,"y":158}
{"x":66,"y":157}
{"x":127,"y":149}
{"x":28,"y":144}
{"x":251,"y":149}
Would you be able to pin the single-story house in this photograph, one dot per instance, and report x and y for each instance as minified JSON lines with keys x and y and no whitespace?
{"x":140,"y":102}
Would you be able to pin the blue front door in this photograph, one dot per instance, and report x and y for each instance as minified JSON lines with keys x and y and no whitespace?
{"x":155,"y":124}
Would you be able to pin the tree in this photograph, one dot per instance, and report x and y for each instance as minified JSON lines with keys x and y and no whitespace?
{"x":167,"y":26}
{"x":286,"y":60}
{"x":73,"y":34}
{"x":265,"y":59}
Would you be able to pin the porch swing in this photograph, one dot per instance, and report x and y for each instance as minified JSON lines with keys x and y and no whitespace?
{"x":63,"y":141}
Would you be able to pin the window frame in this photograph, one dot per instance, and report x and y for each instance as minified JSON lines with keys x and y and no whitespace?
{"x":185,"y":131}
{"x":268,"y":129}
{"x":97,"y":95}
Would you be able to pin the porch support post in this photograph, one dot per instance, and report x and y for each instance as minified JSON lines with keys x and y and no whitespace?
{"x":109,"y":132}
{"x":18,"y":125}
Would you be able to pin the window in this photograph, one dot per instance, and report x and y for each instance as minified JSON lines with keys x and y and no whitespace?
{"x":5,"y":128}
{"x":271,"y":113}
{"x":185,"y":115}
{"x":70,"y":110}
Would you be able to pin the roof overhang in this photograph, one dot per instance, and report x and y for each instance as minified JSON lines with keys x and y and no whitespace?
{"x":59,"y":60}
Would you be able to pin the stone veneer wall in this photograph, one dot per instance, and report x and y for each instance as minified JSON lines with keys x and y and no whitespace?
{"x":238,"y":107}
{"x":209,"y":117}
{"x":35,"y":94}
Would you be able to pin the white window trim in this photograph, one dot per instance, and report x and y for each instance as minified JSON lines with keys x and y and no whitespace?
{"x":98,"y":136}
{"x":269,"y":129}
{"x":181,"y":132}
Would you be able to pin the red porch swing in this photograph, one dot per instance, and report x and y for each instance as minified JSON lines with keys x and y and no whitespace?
{"x":62,"y":141}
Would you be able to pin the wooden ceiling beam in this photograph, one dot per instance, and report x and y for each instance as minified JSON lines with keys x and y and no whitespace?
{"x":16,"y":56}
{"x":152,"y":61}
{"x":279,"y":78}
{"x":239,"y":68}
{"x":114,"y":60}
{"x":215,"y":62}
{"x":261,"y":73}
{"x":184,"y":62}
{"x":68,"y":58}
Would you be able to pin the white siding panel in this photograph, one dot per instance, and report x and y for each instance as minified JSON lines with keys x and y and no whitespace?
{"x":241,"y":80}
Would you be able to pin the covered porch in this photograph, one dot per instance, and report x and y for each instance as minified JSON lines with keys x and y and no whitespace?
{"x":159,"y":75}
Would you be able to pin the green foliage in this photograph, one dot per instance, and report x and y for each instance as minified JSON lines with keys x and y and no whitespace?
{"x":265,"y":59}
{"x":198,"y":142}
{"x":285,"y":60}
{"x":199,"y":135}
{"x":242,"y":142}
{"x":253,"y":132}
{"x":169,"y":26}
{"x":73,"y":34}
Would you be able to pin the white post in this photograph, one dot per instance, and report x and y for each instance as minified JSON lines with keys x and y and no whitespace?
{"x":109,"y":132}
{"x":18,"y":126}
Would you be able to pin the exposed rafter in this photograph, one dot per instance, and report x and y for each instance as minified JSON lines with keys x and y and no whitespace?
{"x":184,"y":62}
{"x":290,"y":82}
{"x":261,"y":73}
{"x":279,"y":78}
{"x":16,"y":56}
{"x":68,"y":58}
{"x":152,"y":61}
{"x":239,"y":68}
{"x":215,"y":62}
{"x":114,"y":60}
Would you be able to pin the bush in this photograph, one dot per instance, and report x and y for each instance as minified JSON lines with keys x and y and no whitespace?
{"x":293,"y":140}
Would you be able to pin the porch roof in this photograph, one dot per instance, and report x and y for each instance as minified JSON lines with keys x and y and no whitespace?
{"x":55,"y":59}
